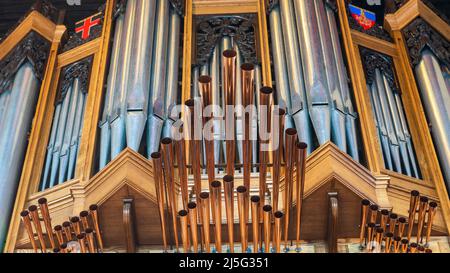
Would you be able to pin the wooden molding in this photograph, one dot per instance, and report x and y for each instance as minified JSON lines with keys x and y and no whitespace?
{"x":201,"y":7}
{"x":374,"y":43}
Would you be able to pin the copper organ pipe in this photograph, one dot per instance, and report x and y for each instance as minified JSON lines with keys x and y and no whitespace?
{"x":217,"y":207}
{"x":384,"y":219}
{"x":413,"y":247}
{"x":82,"y":241}
{"x":27,"y":223}
{"x":401,"y":226}
{"x":301,"y":153}
{"x":205,"y":87}
{"x":75,"y":223}
{"x":379,"y":239}
{"x":392,"y":222}
{"x":277,"y":231}
{"x":205,"y":208}
{"x":255,"y":200}
{"x":67,"y":231}
{"x":90,"y":239}
{"x":414,"y":202}
{"x":291,"y":138}
{"x":388,"y":245}
{"x":431,"y":214}
{"x":370,"y":232}
{"x":364,"y":210}
{"x":277,"y":155}
{"x":195,"y":149}
{"x":265,"y":101}
{"x":93,"y":211}
{"x":183,"y":214}
{"x":421,"y":249}
{"x":37,"y":226}
{"x":373,"y":213}
{"x":63,"y":248}
{"x":192,"y":208}
{"x":423,"y":206}
{"x":56,"y":250}
{"x":404,"y":245}
{"x":242,"y":194}
{"x":267,"y":210}
{"x":428,"y":251}
{"x":228,"y":185}
{"x":43,"y":205}
{"x":229,"y":82}
{"x":84,"y":216}
{"x":159,"y":186}
{"x":180,"y":150}
{"x":59,"y":234}
{"x":397,"y":242}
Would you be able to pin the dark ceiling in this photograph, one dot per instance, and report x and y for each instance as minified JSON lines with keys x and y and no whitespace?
{"x":12,"y":10}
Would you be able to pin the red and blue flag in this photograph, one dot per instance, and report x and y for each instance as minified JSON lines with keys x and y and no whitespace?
{"x":365,"y":18}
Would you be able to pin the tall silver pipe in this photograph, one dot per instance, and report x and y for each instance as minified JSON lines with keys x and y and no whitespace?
{"x":50,"y":147}
{"x":393,"y":141}
{"x":105,"y":130}
{"x":117,"y":119}
{"x":76,"y":134}
{"x":314,"y":69}
{"x":382,"y":130}
{"x":172,"y":72}
{"x":14,"y":139}
{"x":195,"y":76}
{"x":140,"y":73}
{"x":299,"y":106}
{"x":4,"y":99}
{"x":435,"y":98}
{"x":65,"y":148}
{"x":350,"y":113}
{"x":337,"y":106}
{"x":215,"y":75}
{"x":155,"y":120}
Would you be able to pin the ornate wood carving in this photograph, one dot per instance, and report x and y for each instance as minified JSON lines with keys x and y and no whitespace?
{"x":44,"y":7}
{"x":33,"y":48}
{"x":373,"y":60}
{"x":271,"y":4}
{"x":210,"y":29}
{"x":80,"y":70}
{"x":438,"y":12}
{"x":178,"y":5}
{"x":419,"y":34}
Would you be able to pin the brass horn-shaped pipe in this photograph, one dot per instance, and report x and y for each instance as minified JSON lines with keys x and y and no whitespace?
{"x":59,"y":234}
{"x":364,"y":210}
{"x":277,"y":155}
{"x":431,"y":214}
{"x":265,"y":114}
{"x":159,"y":186}
{"x":82,"y":241}
{"x":228,"y":186}
{"x":37,"y":226}
{"x":413,"y":203}
{"x":384,"y":219}
{"x":192,"y":208}
{"x":373,"y":213}
{"x":277,"y":231}
{"x":241,"y":195}
{"x":388,"y":245}
{"x":229,"y":83}
{"x":401,"y":226}
{"x":180,"y":150}
{"x":25,"y":215}
{"x":301,"y":169}
{"x":217,"y":207}
{"x":90,"y":240}
{"x":255,"y":222}
{"x":267,"y":210}
{"x":84,"y":217}
{"x":75,"y":223}
{"x":370,"y":233}
{"x":392,"y":222}
{"x":404,"y":245}
{"x":397,"y":244}
{"x":43,"y":205}
{"x":183,"y":214}
{"x":205,"y":87}
{"x":93,"y":211}
{"x":205,"y":208}
{"x":291,"y":138}
{"x":67,"y":231}
{"x":423,"y":206}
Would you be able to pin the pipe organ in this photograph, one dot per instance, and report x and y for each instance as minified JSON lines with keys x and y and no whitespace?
{"x":333,"y":116}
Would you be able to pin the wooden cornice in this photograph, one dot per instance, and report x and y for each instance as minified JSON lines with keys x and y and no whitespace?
{"x":224,"y":6}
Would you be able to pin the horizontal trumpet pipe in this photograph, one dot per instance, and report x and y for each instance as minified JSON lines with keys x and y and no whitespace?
{"x":267,"y":212}
{"x":37,"y":226}
{"x":159,"y":186}
{"x":431,"y":214}
{"x":413,"y":203}
{"x":183,"y":214}
{"x":242,"y":194}
{"x":277,"y":231}
{"x":364,"y":210}
{"x":43,"y":205}
{"x":93,"y":211}
{"x":228,"y":185}
{"x":205,"y":207}
{"x":192,"y":209}
{"x":255,"y":200}
{"x":25,"y":215}
{"x":217,"y":207}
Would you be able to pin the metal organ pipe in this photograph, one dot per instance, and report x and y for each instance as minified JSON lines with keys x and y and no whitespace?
{"x":435,"y":98}
{"x":16,"y":124}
